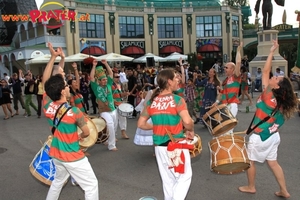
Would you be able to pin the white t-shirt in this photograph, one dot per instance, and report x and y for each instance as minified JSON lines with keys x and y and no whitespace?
{"x":123,"y":78}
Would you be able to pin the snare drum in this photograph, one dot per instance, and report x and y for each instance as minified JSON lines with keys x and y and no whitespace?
{"x":125,"y":109}
{"x":228,"y":154}
{"x":103,"y":133}
{"x":198,"y":146}
{"x":92,"y":138}
{"x":219,"y":120}
{"x":42,"y":166}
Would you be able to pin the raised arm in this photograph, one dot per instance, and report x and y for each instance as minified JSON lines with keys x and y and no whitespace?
{"x":182,"y":70}
{"x":238,"y":60}
{"x":77,"y":78}
{"x":62,"y":60}
{"x":267,"y":67}
{"x":49,"y":67}
{"x":92,"y":73}
{"x":109,"y":70}
{"x":21,"y":77}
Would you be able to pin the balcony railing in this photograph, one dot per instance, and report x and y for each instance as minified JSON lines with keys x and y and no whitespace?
{"x":54,"y":39}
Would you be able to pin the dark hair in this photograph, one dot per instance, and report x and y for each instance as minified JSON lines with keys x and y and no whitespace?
{"x":286,"y":98}
{"x":54,"y":86}
{"x":86,"y":76}
{"x":162,"y":81}
{"x":71,"y":89}
{"x":243,"y":69}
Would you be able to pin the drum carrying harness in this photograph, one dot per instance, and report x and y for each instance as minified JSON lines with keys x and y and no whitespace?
{"x":249,"y":130}
{"x":57,"y":119}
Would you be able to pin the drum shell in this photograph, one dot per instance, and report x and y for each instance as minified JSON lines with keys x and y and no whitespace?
{"x":43,"y":171}
{"x":228,"y":154}
{"x":92,"y":138}
{"x":102,"y":130}
{"x":219,"y":120}
{"x":197,"y":146}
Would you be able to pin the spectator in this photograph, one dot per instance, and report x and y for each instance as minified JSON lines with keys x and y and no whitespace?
{"x":258,"y":76}
{"x":279,"y":72}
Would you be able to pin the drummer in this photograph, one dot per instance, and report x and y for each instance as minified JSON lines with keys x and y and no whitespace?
{"x":231,"y":85}
{"x":102,"y":87}
{"x":279,"y":102}
{"x":169,"y":113}
{"x":119,"y":96}
{"x":67,"y":156}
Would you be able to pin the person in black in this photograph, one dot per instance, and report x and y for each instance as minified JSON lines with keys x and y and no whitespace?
{"x":16,"y":85}
{"x":132,"y":84}
{"x":93,"y":100}
{"x":29,"y":91}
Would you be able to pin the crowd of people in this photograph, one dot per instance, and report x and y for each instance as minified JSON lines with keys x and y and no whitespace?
{"x":170,"y":113}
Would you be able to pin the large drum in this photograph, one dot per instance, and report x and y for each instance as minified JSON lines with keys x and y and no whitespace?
{"x":102,"y":130}
{"x":228,"y":154}
{"x":144,"y":137}
{"x":42,"y":166}
{"x":92,"y":138}
{"x":197,"y":146}
{"x":125,"y":109}
{"x":219,"y":120}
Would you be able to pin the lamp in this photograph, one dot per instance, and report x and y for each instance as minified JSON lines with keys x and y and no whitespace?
{"x":150,"y":20}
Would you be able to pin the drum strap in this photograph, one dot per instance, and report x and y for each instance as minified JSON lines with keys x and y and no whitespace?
{"x":249,"y":130}
{"x":58,"y":116}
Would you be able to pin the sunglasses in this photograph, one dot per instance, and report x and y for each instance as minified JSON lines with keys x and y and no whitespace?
{"x":117,"y":77}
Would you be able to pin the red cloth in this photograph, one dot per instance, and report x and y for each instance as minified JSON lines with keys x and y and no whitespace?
{"x":177,"y":162}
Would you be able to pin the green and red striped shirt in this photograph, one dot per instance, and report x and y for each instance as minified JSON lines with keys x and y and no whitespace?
{"x":230,"y":92}
{"x":65,"y":143}
{"x":164,"y":112}
{"x":77,"y":100}
{"x":116,"y":90}
{"x":265,"y":105}
{"x":180,"y":91}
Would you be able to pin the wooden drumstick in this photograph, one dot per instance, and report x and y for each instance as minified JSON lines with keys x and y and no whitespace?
{"x":170,"y":135}
{"x":241,"y":132}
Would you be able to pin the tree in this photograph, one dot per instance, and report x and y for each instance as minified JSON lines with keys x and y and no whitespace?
{"x":237,"y":2}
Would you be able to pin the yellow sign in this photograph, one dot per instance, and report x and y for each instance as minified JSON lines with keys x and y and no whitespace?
{"x":283,"y":27}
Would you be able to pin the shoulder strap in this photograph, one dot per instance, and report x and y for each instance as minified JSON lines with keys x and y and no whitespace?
{"x":249,"y":130}
{"x":57,"y":120}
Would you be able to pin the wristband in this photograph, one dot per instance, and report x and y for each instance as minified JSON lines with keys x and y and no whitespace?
{"x":217,"y":101}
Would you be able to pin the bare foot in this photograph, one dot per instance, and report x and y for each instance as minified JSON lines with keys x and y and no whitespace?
{"x":247,"y":189}
{"x":283,"y":194}
{"x":114,"y":149}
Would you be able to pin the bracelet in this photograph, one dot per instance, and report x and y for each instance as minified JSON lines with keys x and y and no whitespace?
{"x":217,"y":101}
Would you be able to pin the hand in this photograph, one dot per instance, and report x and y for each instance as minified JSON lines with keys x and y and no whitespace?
{"x":275,"y":46}
{"x":20,"y":71}
{"x":52,"y":51}
{"x":180,"y":61}
{"x":104,"y":62}
{"x":240,"y":46}
{"x":189,"y":135}
{"x":74,"y":65}
{"x":95,"y":62}
{"x":62,"y":54}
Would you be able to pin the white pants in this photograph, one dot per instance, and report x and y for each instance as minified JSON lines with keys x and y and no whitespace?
{"x":122,"y":122}
{"x":175,"y":185}
{"x":111,"y":121}
{"x":233,"y":107}
{"x":81,"y":171}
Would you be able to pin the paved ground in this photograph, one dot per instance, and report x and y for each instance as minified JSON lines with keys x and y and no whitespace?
{"x":131,"y":172}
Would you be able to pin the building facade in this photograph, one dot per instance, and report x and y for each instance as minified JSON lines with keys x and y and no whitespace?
{"x":211,"y":29}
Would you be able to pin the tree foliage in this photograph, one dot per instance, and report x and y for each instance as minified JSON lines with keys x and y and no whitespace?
{"x":237,"y":2}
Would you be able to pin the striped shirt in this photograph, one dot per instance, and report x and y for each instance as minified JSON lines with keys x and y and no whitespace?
{"x":164,"y":112}
{"x":77,"y":100}
{"x":65,"y":143}
{"x":265,"y":105}
{"x":180,"y":91}
{"x":116,"y":90}
{"x":230,"y":92}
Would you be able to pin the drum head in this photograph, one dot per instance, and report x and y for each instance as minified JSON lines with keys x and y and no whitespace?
{"x":126,"y":107}
{"x":198,"y":146}
{"x":92,"y":138}
{"x":100,"y":124}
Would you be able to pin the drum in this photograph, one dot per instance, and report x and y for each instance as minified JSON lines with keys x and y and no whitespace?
{"x":92,"y":138}
{"x":219,"y":120}
{"x":198,"y":146}
{"x":42,"y":166}
{"x":228,"y":154}
{"x":103,"y":133}
{"x":125,"y":109}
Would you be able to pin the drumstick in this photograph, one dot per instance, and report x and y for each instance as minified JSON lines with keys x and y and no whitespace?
{"x":207,"y":107}
{"x":241,"y":132}
{"x":170,"y":135}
